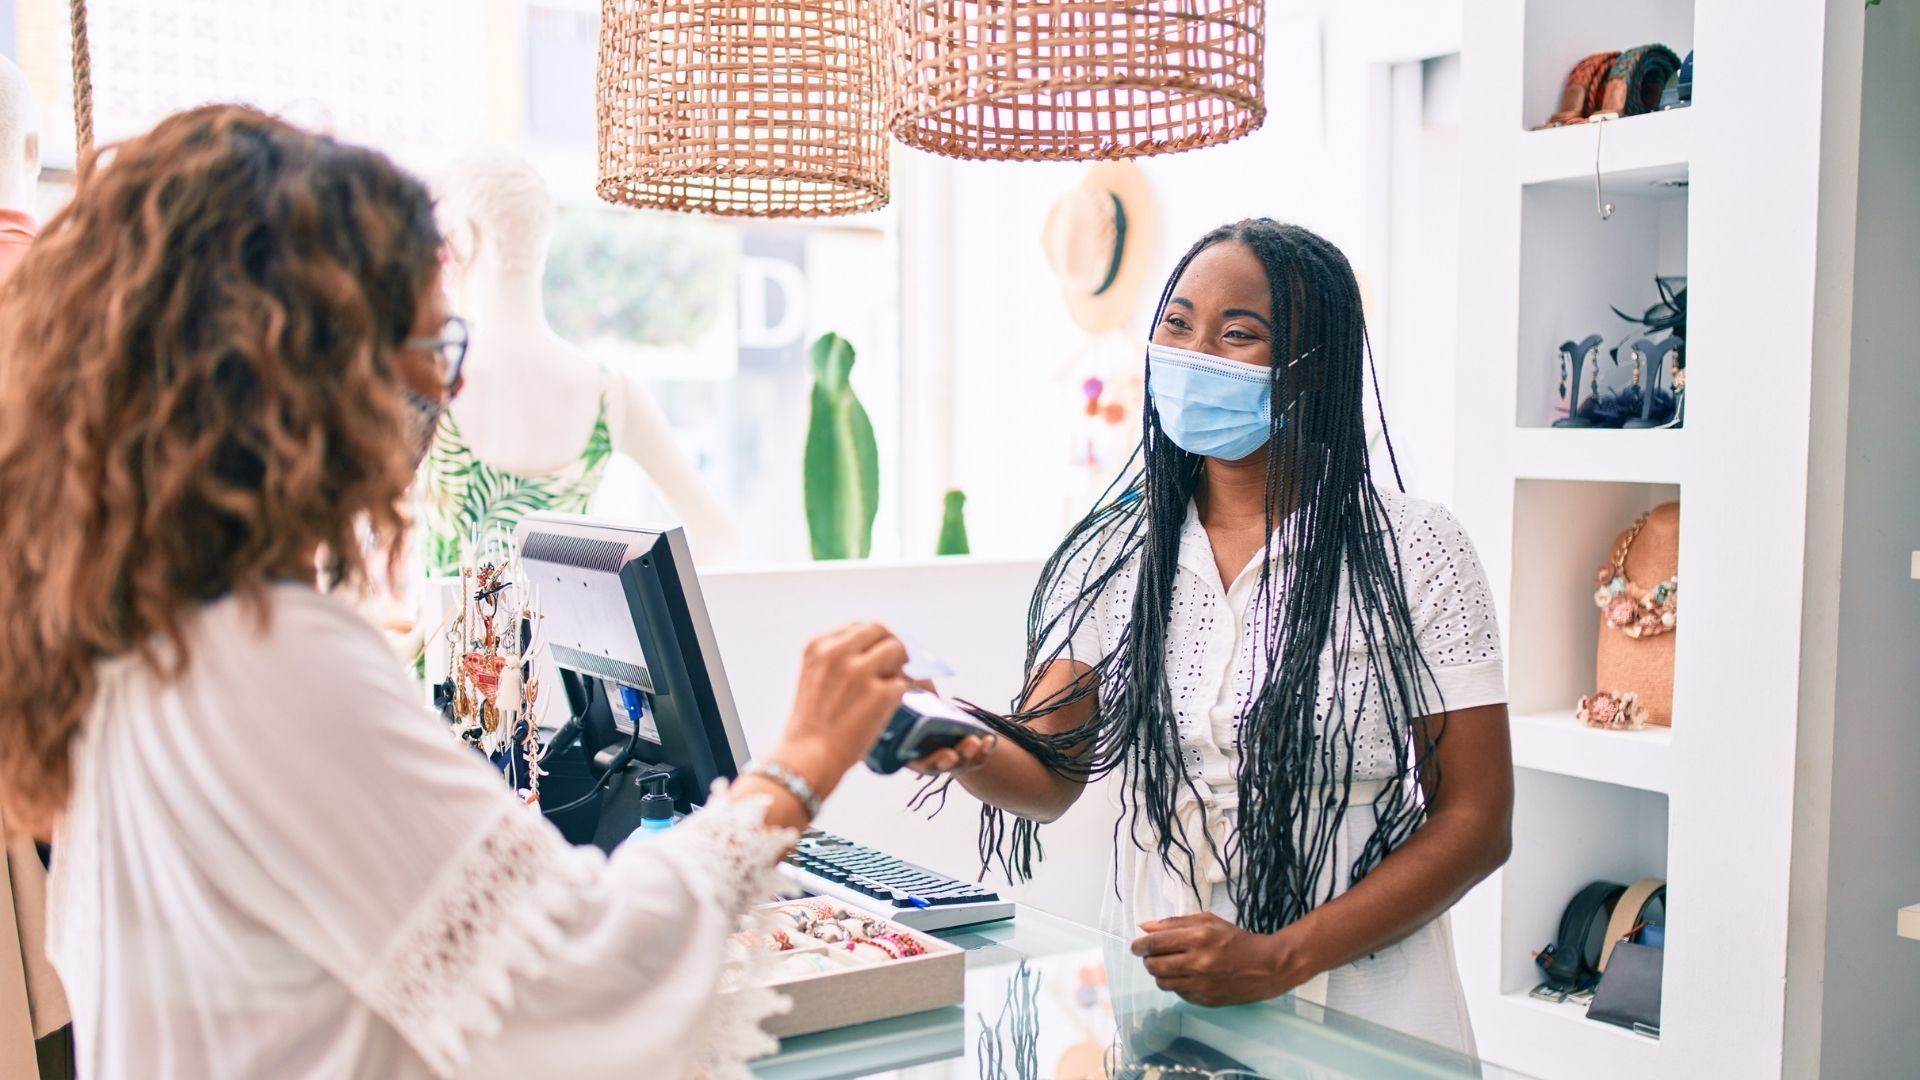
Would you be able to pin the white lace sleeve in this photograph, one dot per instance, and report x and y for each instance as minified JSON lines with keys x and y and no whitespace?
{"x":348,"y":826}
{"x":511,"y":936}
{"x":732,"y":838}
{"x":489,"y":920}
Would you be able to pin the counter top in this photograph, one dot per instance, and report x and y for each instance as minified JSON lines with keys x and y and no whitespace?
{"x":1050,"y":998}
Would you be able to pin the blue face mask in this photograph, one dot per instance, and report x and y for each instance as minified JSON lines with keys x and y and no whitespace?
{"x":1208,"y":406}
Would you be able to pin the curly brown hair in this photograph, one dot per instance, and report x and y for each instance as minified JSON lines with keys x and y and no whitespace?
{"x":198,"y":397}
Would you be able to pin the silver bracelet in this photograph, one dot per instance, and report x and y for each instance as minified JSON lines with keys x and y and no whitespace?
{"x":795,"y":784}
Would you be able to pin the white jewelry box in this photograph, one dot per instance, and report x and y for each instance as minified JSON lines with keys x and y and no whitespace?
{"x":851,"y":993}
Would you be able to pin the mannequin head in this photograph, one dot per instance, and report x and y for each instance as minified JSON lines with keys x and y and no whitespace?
{"x":497,"y":217}
{"x":19,"y":140}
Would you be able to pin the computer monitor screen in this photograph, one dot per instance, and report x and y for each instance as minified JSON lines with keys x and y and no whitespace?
{"x":623,"y":619}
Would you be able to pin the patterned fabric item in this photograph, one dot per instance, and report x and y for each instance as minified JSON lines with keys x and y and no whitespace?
{"x":1581,"y":96}
{"x":465,"y":500}
{"x":1636,"y":80}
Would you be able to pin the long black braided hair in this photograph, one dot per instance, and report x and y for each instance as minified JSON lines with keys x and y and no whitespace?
{"x":1337,"y":581}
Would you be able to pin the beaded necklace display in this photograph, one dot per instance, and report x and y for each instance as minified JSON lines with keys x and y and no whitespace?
{"x":491,"y":690}
{"x":1630,"y":609}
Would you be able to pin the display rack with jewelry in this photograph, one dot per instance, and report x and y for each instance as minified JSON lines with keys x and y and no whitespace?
{"x":1667,"y":315}
{"x":492,"y":642}
{"x":1638,"y":621}
{"x":1658,"y":408}
{"x":1644,"y":402}
{"x":1576,"y":356}
{"x":840,"y":966}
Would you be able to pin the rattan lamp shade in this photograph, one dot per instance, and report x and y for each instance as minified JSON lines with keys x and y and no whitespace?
{"x":1076,"y":80}
{"x":771,"y":109}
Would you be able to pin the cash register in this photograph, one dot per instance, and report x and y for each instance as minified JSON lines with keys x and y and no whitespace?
{"x":651,"y":719}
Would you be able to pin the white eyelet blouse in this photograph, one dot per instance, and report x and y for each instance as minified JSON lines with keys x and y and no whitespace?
{"x":278,"y":864}
{"x":1215,"y":664}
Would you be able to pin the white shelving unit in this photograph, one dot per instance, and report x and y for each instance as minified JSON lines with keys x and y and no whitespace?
{"x":1558,"y":743}
{"x":1730,"y":197}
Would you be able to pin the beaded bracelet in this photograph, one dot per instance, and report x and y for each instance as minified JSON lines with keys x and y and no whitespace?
{"x":896,"y":946}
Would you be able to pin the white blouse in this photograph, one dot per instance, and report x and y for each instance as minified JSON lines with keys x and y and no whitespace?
{"x":1216,"y":663}
{"x":277,"y":864}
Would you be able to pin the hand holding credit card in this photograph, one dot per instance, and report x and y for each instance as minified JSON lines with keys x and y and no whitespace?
{"x":924,"y":722}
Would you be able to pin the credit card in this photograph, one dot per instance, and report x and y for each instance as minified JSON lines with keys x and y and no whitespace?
{"x":922,"y":665}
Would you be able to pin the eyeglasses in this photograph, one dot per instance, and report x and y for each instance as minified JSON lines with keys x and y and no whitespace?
{"x":450,"y":346}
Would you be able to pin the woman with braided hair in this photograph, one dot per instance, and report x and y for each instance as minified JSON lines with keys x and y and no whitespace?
{"x":1295,"y":676}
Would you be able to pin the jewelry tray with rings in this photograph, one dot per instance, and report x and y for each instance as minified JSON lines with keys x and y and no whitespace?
{"x":841,"y":966}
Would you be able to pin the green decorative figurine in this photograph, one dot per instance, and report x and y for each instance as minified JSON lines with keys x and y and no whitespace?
{"x":842,"y":462}
{"x":953,"y":526}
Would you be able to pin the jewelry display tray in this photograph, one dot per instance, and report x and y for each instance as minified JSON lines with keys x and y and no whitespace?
{"x":857,"y":995}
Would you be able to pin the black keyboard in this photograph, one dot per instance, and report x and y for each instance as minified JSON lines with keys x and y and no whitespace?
{"x":913,"y":896}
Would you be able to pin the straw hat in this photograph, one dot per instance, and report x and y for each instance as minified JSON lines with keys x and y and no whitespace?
{"x":1099,"y":238}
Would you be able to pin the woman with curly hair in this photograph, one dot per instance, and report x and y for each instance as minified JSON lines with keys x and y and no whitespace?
{"x":218,"y":370}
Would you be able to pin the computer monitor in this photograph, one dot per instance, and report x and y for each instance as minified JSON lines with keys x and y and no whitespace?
{"x":623,"y":619}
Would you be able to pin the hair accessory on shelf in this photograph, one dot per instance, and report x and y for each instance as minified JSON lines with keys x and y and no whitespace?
{"x":1630,"y":609}
{"x":1670,"y":313}
{"x":1615,"y":710}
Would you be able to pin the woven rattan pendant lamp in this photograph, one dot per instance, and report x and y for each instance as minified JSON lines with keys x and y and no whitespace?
{"x":1074,"y":80}
{"x":769,"y":109}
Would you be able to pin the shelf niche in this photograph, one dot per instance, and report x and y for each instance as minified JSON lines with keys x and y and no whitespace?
{"x":1562,"y":531}
{"x":1576,"y":267}
{"x":1568,"y":832}
{"x":1560,"y":33}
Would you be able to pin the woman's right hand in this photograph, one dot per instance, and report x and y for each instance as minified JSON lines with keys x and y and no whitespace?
{"x":959,"y":759}
{"x":850,"y":686}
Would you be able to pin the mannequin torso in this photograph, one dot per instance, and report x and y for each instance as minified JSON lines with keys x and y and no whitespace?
{"x":532,"y":410}
{"x":513,"y":376}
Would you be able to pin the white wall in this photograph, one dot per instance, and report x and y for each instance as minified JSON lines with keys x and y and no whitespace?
{"x":1871,"y":976}
{"x":1415,"y":329}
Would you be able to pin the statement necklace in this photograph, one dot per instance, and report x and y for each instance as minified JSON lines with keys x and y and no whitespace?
{"x":1630,"y":609}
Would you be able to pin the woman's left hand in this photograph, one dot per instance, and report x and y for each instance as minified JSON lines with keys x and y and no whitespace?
{"x":1210,"y":961}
